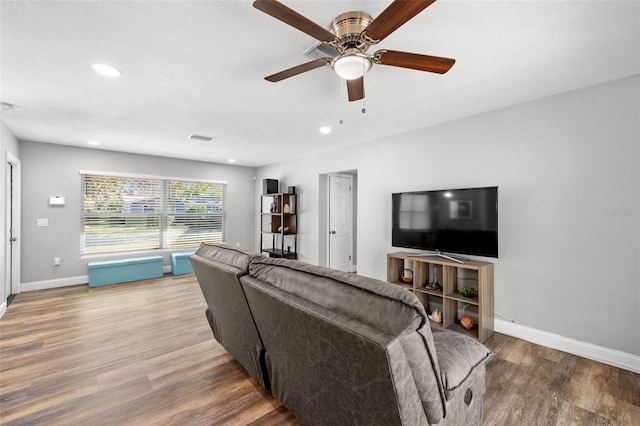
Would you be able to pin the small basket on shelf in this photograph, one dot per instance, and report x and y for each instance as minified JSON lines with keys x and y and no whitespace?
{"x":406,"y":275}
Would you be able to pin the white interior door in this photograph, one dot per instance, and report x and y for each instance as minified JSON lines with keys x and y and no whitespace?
{"x":340,"y":222}
{"x":12,"y":225}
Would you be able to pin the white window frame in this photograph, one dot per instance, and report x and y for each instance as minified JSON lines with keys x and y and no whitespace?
{"x":165,"y":228}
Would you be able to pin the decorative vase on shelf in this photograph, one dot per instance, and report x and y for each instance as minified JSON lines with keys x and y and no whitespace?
{"x":434,"y":285}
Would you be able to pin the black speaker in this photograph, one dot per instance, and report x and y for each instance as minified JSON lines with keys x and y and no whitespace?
{"x":269,"y":186}
{"x":291,"y":190}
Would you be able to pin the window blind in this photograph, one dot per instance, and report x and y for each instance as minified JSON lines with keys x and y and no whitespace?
{"x":195,"y":213}
{"x":131,"y":214}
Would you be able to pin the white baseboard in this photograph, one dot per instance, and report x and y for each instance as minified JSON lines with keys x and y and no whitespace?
{"x":3,"y":308}
{"x":64,"y":282}
{"x":60,"y":282}
{"x":598,"y":353}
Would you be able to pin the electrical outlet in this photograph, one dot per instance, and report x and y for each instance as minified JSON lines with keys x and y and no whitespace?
{"x":57,"y":261}
{"x":42,"y":221}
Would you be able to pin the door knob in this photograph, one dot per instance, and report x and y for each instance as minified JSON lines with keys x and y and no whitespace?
{"x":333,"y":232}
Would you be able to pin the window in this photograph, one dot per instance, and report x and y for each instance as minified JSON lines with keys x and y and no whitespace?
{"x":138,"y":213}
{"x":195,"y":213}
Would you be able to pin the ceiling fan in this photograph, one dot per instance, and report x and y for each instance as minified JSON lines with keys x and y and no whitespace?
{"x":351,"y":34}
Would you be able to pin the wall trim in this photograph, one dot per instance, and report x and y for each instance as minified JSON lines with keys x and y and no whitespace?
{"x":59,"y":282}
{"x":3,"y":308}
{"x":588,"y":350}
{"x":65,"y":282}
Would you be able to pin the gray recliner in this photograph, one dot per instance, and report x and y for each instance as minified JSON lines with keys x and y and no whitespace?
{"x":218,"y":269}
{"x":338,"y":348}
{"x":349,"y":350}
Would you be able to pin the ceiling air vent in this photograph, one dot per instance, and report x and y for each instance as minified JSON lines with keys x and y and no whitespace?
{"x":320,"y":50}
{"x":201,"y":138}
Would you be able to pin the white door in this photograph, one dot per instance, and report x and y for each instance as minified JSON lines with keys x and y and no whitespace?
{"x":12,"y":231}
{"x":340,"y":222}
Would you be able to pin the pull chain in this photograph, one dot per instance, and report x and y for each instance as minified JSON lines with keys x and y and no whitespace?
{"x":342,"y":94}
{"x":364,"y":70}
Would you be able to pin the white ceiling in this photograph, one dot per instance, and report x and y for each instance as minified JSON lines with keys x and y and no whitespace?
{"x":198,"y":67}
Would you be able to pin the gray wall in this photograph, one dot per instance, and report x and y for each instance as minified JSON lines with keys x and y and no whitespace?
{"x":49,"y":170}
{"x":568,"y":168}
{"x":9,"y":143}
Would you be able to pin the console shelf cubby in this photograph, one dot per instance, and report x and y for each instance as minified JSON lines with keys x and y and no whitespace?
{"x":451,"y":276}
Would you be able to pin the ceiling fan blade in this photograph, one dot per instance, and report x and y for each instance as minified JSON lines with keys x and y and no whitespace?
{"x":394,"y":16}
{"x":414,"y":61}
{"x":293,"y":18}
{"x":299,"y":69}
{"x":355,"y":89}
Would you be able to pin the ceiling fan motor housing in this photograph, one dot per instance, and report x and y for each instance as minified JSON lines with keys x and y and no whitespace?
{"x":347,"y":28}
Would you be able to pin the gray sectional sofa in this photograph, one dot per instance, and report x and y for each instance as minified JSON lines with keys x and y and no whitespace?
{"x":338,"y":348}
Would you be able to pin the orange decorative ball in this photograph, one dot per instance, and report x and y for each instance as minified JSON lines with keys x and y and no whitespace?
{"x":467,"y":322}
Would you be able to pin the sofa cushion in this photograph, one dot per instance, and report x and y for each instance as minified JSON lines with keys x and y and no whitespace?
{"x":458,"y":356}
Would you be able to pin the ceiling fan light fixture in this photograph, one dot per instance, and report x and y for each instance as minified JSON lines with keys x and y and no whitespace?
{"x":351,"y":66}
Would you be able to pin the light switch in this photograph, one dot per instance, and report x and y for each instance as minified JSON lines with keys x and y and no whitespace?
{"x":42,"y":221}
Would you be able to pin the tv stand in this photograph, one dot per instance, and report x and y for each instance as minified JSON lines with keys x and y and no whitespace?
{"x":451,"y":275}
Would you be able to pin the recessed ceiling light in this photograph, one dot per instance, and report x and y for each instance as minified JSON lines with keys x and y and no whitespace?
{"x":106,"y":70}
{"x":231,"y":160}
{"x":325,"y":130}
{"x":448,"y":194}
{"x":202,"y":138}
{"x":94,"y":143}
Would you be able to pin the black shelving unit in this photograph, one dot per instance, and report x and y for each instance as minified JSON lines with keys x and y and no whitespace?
{"x":279,"y":225}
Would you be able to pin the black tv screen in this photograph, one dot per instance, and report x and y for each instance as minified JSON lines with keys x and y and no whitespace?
{"x":463,"y":221}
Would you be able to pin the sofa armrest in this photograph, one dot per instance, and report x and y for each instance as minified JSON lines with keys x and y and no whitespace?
{"x":226,"y":255}
{"x":458,"y":357}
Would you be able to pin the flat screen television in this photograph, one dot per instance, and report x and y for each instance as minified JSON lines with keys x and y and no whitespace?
{"x":463,"y":221}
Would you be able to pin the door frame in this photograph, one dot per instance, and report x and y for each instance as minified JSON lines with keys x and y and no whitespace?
{"x":12,"y":210}
{"x":350,"y":176}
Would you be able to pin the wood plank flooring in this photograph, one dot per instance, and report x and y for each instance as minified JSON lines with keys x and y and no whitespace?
{"x":143,"y":354}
